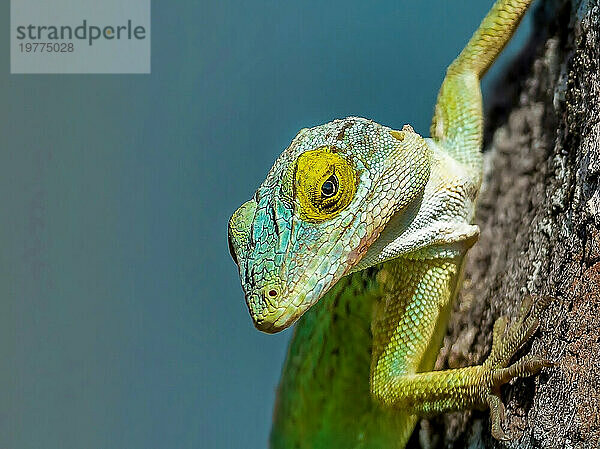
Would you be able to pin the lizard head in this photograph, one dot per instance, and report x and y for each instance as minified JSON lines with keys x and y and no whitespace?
{"x":325,"y":201}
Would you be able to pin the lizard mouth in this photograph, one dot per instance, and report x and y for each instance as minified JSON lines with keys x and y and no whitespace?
{"x":272,"y":327}
{"x":274,"y":308}
{"x":268,"y":314}
{"x":272,"y":323}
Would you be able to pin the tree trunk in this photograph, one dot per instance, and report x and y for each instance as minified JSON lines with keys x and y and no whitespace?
{"x":539,"y":214}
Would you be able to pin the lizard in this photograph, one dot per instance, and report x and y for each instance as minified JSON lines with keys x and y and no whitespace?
{"x":359,"y":234}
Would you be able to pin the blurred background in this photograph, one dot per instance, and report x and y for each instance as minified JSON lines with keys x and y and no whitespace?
{"x":122,"y":322}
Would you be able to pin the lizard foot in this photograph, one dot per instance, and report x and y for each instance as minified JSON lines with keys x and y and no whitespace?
{"x":504,"y":346}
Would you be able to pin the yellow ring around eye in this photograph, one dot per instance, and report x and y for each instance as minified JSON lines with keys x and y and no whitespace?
{"x":313,"y":168}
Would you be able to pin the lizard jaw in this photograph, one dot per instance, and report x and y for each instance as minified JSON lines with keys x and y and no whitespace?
{"x":271,"y":315}
{"x":275,"y":324}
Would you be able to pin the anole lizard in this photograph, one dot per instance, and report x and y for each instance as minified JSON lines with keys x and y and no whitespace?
{"x":362,"y":230}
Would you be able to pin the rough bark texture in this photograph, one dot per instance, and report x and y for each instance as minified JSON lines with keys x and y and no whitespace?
{"x":539,"y":213}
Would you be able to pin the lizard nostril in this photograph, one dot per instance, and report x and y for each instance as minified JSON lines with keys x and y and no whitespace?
{"x":272,"y":293}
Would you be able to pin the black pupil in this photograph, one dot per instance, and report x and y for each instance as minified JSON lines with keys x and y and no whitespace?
{"x":329,"y":187}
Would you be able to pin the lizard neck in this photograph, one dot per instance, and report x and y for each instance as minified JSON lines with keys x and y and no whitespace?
{"x":324,"y":399}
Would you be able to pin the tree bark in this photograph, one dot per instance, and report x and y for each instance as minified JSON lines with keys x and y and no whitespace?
{"x":539,"y":214}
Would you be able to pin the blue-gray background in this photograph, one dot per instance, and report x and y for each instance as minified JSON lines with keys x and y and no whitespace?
{"x":122,"y":323}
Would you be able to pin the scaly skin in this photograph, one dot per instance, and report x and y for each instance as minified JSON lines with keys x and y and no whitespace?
{"x":363,"y":230}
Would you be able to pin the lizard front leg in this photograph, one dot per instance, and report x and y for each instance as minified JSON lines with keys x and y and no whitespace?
{"x":406,"y":334}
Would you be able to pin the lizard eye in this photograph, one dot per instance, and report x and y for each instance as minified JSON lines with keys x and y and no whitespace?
{"x":325,"y":184}
{"x":330,"y":187}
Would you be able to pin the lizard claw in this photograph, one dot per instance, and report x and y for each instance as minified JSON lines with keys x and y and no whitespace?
{"x":496,"y":416}
{"x":504,"y":346}
{"x":505,"y":342}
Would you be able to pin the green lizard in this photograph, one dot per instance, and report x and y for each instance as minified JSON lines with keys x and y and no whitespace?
{"x":362,"y":230}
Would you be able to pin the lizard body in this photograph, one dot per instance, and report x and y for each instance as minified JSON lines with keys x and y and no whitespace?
{"x":359,"y":232}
